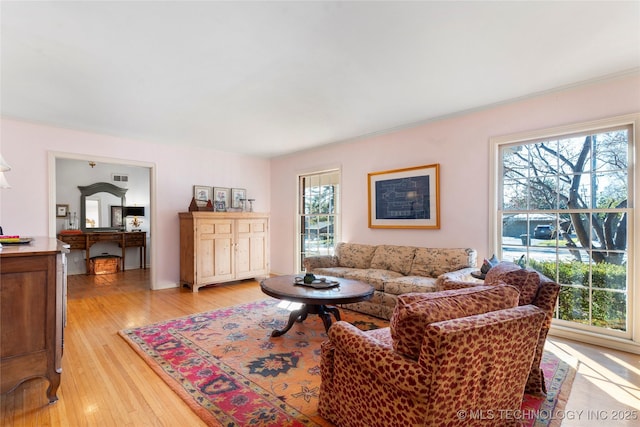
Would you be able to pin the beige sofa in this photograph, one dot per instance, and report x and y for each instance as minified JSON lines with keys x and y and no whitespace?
{"x":392,"y":270}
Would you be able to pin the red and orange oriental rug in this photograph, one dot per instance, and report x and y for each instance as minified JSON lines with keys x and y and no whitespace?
{"x":229,"y":370}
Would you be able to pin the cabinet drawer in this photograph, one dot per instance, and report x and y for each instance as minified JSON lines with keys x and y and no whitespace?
{"x":105,"y":237}
{"x":134,"y":240}
{"x":75,"y":242}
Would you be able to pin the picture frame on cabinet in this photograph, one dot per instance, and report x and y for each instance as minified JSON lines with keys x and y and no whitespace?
{"x":238,"y":195}
{"x":202,"y":194}
{"x":222,"y":194}
{"x":220,"y":206}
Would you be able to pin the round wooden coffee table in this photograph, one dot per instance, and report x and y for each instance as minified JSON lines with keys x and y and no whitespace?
{"x":315,"y":301}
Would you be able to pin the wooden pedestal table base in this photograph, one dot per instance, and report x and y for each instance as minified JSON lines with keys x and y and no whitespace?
{"x":315,"y":301}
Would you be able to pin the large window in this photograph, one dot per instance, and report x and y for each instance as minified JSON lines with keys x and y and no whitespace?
{"x":565,"y":208}
{"x":318,"y":195}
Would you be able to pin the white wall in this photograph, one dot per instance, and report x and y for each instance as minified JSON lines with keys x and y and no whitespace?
{"x":459,"y":144}
{"x":25,"y":208}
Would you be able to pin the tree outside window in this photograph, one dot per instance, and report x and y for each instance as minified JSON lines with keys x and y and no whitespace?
{"x":564,"y":208}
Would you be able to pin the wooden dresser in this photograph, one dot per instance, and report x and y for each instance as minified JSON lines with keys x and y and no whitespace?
{"x":32,"y":313}
{"x":217,"y":247}
{"x":124,"y":239}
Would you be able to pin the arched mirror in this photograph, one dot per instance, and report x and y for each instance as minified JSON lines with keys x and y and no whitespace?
{"x":98,"y":203}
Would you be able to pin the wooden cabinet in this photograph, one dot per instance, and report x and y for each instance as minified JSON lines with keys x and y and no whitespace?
{"x":32,"y":311}
{"x":217,"y":247}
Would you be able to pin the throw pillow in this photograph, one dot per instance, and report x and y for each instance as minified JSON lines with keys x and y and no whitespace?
{"x":414,"y":311}
{"x":526,"y":280}
{"x":432,"y":262}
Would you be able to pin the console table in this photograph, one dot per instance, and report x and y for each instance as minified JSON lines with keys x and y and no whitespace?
{"x":124,"y":239}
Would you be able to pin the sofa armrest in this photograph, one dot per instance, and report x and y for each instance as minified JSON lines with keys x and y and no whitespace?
{"x":458,"y":279}
{"x":379,"y":359}
{"x":322,"y":261}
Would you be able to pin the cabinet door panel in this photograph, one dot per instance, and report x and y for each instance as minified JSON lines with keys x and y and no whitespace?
{"x":223,"y":257}
{"x":206,"y":256}
{"x":23,"y":298}
{"x":258,"y":253}
{"x":251,"y":248}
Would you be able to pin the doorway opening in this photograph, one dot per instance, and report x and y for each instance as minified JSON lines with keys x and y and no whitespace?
{"x":67,"y":171}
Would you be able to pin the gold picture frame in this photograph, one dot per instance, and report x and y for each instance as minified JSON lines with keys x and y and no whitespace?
{"x":405,"y":198}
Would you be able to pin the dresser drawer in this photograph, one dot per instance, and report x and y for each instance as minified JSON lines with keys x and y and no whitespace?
{"x":105,"y":237}
{"x":137,"y":239}
{"x":74,"y":241}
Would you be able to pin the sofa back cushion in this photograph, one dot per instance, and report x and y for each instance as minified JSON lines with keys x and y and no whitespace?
{"x":414,"y":311}
{"x":526,"y":280}
{"x":394,"y":258}
{"x":432,"y":262}
{"x":354,"y":255}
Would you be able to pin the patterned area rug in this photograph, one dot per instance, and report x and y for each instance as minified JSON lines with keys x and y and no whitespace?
{"x":229,"y":370}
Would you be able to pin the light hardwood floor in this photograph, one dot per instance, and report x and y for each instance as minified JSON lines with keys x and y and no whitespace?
{"x":105,"y":383}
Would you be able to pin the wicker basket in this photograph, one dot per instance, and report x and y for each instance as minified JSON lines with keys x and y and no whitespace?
{"x":104,"y":264}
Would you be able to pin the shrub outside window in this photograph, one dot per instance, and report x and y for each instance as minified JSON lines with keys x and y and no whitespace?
{"x":564,"y":207}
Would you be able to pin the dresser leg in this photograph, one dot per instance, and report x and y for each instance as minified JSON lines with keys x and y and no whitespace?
{"x":52,"y":391}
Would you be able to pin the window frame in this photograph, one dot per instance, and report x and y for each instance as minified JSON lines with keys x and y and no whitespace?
{"x":300,"y":214}
{"x":629,"y":340}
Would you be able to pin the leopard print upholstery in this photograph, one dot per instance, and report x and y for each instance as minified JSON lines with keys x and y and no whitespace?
{"x":545,"y":297}
{"x":525,"y":279}
{"x":465,"y":363}
{"x":415,"y":311}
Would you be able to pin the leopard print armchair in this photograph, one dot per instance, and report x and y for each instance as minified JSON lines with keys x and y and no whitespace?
{"x":429,"y":364}
{"x":535,"y":289}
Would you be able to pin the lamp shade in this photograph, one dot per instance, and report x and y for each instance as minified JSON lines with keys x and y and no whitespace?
{"x":4,"y":166}
{"x":133,"y":211}
{"x":3,"y":181}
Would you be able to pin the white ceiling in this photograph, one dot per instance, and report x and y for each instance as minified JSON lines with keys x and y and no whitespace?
{"x":271,"y":78}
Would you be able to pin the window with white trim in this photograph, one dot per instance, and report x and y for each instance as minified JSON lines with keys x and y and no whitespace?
{"x":318,"y":214}
{"x":564,"y":206}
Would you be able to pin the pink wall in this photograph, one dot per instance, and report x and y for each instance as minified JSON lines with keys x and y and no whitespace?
{"x":460,"y":144}
{"x":24,"y":209}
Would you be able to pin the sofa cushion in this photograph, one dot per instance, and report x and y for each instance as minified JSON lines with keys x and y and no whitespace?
{"x":333,"y":271}
{"x":432,"y":262}
{"x":354,"y":255}
{"x":372,"y":276}
{"x":526,"y":280}
{"x":414,"y":311}
{"x":394,"y":258}
{"x":407,"y":284}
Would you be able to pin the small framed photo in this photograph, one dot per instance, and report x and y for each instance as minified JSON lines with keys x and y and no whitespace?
{"x":220,"y":206}
{"x":238,"y":196}
{"x":221,"y":194}
{"x":202,"y":194}
{"x":62,"y":211}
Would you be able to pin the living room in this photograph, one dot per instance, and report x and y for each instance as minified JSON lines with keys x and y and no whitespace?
{"x":458,"y":141}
